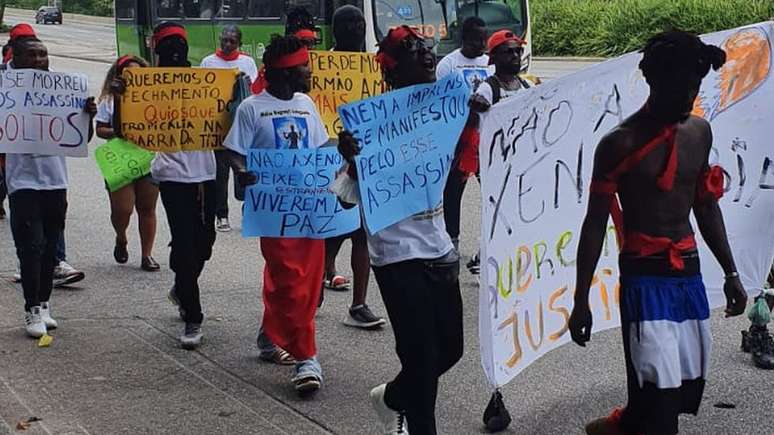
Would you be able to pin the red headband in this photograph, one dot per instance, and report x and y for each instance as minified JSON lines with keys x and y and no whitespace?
{"x":169,"y":31}
{"x":306,"y":34}
{"x":299,"y":57}
{"x":123,"y":60}
{"x":390,"y":42}
{"x":21,"y":30}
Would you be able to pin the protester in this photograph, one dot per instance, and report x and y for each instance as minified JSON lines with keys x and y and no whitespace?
{"x":664,"y":308}
{"x":141,"y":194}
{"x":417,"y":269}
{"x":505,"y":52}
{"x":187,"y":185}
{"x":471,"y":60}
{"x":349,"y":35}
{"x":37,"y":187}
{"x":227,"y":56}
{"x":64,"y":273}
{"x":299,"y":24}
{"x":294,"y":266}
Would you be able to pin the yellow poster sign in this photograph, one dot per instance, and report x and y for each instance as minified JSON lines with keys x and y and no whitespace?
{"x":177,"y":109}
{"x":340,"y":77}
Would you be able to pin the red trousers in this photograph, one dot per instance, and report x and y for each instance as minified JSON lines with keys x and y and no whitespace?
{"x":292,"y":282}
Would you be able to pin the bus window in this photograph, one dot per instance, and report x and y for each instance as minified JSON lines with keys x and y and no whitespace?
{"x":170,"y":9}
{"x":266,"y":8}
{"x":200,"y":9}
{"x":125,"y":9}
{"x":312,"y":6}
{"x":425,"y":15}
{"x":233,"y":9}
{"x":339,"y":3}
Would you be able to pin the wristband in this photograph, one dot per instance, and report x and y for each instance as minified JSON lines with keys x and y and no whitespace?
{"x":731,"y":275}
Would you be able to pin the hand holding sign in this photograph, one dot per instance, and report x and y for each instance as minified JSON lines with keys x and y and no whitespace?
{"x":408,"y":138}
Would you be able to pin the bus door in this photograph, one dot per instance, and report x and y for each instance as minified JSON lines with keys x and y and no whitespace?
{"x":132,"y":19}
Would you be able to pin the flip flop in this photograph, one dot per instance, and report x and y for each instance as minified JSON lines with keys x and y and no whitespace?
{"x":278,"y":356}
{"x":338,"y":283}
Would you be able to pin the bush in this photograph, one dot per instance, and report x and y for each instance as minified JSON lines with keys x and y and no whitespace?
{"x":89,"y":7}
{"x":614,"y":27}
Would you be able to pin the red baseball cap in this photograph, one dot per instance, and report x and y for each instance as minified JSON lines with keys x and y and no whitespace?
{"x":21,"y":30}
{"x":501,"y":37}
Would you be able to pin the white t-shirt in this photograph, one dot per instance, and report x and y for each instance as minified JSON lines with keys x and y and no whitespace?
{"x":265,"y":121}
{"x":243,"y":63}
{"x":474,"y":70}
{"x":105,"y":111}
{"x":485,"y":90}
{"x":34,"y":171}
{"x":421,"y":236}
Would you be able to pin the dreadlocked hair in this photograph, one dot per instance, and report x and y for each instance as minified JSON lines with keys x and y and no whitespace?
{"x":299,"y":18}
{"x":115,"y":71}
{"x":278,"y":47}
{"x":677,"y":49}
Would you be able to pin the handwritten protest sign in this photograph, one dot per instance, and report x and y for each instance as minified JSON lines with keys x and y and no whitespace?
{"x":122,"y":162}
{"x":408,"y":138}
{"x":41,"y":112}
{"x":341,"y":77}
{"x":291,"y":197}
{"x":536,"y":154}
{"x":177,"y":109}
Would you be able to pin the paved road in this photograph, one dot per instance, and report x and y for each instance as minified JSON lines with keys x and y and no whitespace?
{"x":115,"y":367}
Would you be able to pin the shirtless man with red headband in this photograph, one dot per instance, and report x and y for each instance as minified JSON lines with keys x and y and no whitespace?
{"x":656,"y":163}
{"x":282,"y":116}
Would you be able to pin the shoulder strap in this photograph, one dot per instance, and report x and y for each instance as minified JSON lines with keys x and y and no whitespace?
{"x":524,"y":83}
{"x":496,"y":90}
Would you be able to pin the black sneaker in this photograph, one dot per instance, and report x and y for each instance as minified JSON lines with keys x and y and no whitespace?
{"x":192,"y":336}
{"x":474,"y":265}
{"x":762,"y":347}
{"x":362,"y":317}
{"x":746,"y":341}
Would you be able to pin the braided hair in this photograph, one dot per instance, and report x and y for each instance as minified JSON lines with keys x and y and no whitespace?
{"x":677,"y":50}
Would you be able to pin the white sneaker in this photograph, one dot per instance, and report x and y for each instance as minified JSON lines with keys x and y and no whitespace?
{"x":45,"y":314}
{"x":393,"y":422}
{"x":223,"y":225}
{"x":64,"y":274}
{"x":33,"y":323}
{"x":192,"y":336}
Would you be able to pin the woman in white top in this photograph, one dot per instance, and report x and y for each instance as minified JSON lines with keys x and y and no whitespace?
{"x":141,"y":194}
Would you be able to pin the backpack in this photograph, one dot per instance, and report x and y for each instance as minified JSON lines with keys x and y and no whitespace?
{"x":494,"y":83}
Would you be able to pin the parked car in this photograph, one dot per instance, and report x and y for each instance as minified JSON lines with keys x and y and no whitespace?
{"x":48,"y":14}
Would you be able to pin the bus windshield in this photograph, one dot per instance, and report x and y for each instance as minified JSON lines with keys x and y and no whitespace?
{"x":426,"y":15}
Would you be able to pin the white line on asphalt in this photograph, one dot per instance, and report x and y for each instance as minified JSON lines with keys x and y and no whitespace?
{"x":21,"y":402}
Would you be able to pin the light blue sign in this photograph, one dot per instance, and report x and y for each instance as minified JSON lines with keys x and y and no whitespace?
{"x":408,"y":138}
{"x":291,"y":197}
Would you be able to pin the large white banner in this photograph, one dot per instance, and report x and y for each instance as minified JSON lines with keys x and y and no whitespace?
{"x":536,"y":154}
{"x":41,"y":112}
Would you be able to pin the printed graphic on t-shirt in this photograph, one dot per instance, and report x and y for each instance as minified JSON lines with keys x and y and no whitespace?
{"x":474,"y":76}
{"x":290,"y":132}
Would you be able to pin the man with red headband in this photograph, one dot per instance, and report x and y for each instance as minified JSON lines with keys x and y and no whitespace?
{"x":417,"y":269}
{"x":37,"y":186}
{"x":655,"y":162}
{"x":187,"y":186}
{"x":227,"y":56}
{"x":284,"y":117}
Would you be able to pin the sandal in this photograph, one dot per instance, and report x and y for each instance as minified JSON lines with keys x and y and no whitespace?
{"x":338,"y":283}
{"x":120,"y":254}
{"x":278,"y":356}
{"x":149,"y":264}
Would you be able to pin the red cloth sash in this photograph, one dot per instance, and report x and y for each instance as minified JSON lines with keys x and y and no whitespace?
{"x":468,"y":159}
{"x":292,"y":282}
{"x":643,"y":244}
{"x":234,"y":55}
{"x":260,"y":82}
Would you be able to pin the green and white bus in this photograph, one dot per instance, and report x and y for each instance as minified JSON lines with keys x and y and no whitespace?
{"x":259,"y":19}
